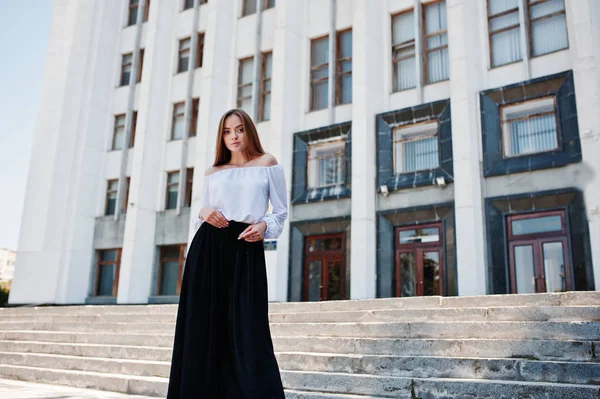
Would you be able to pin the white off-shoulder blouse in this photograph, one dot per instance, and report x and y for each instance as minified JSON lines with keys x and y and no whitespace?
{"x":242,"y":194}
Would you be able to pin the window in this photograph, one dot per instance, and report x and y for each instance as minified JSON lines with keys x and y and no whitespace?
{"x":194,"y":118}
{"x":200,"y":50}
{"x":416,"y":147}
{"x":264,"y":110}
{"x":504,"y":31}
{"x":344,"y":68}
{"x":326,"y":164}
{"x":111,"y":196}
{"x":249,"y":7}
{"x":178,"y":122}
{"x":107,"y":272}
{"x":133,"y":11}
{"x":538,"y":253}
{"x":126,"y":197}
{"x":436,"y":42}
{"x":184,"y":55}
{"x":418,"y":261}
{"x":403,"y":51}
{"x":324,"y":269}
{"x":319,"y":73}
{"x":529,"y":127}
{"x":547,"y":26}
{"x":189,"y":179}
{"x":126,"y":68}
{"x":140,"y":66}
{"x":133,"y":129}
{"x":172,"y":187}
{"x":118,"y":132}
{"x":170,"y":270}
{"x":268,"y":4}
{"x":244,"y":95}
{"x":187,"y":4}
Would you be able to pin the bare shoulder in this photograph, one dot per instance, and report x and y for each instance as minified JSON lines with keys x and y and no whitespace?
{"x":211,"y":170}
{"x":267,"y":160}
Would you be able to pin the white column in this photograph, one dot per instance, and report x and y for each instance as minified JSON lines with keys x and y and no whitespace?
{"x":367,"y":87}
{"x":584,"y":32}
{"x":138,"y":257}
{"x":64,"y":180}
{"x":286,"y":111}
{"x":218,"y":84}
{"x":465,"y":77}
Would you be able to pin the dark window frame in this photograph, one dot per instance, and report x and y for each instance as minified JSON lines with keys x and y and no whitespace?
{"x":400,"y":46}
{"x":386,"y":123}
{"x":315,"y":68}
{"x":529,"y":25}
{"x":189,"y":181}
{"x":339,"y":75}
{"x":194,"y":117}
{"x":263,"y":83}
{"x":417,"y":249}
{"x":169,"y":185}
{"x":100,"y":263}
{"x":301,"y":193}
{"x":110,"y":191}
{"x":324,"y":257}
{"x":180,"y":263}
{"x":561,"y":86}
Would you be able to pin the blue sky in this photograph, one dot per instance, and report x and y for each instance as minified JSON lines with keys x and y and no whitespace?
{"x":24,"y":30}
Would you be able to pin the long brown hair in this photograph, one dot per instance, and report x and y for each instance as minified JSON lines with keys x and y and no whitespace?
{"x":253,"y":146}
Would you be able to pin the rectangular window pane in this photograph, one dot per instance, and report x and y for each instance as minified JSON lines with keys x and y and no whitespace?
{"x":524,"y":267}
{"x":109,"y":255}
{"x":542,"y":224}
{"x":249,"y":7}
{"x":436,"y":42}
{"x":244,"y":100}
{"x":119,"y":133}
{"x":344,"y":68}
{"x":416,"y":147}
{"x":403,"y":51}
{"x":178,"y":121}
{"x":188,"y":4}
{"x":554,"y":266}
{"x":106,"y":278}
{"x":431,"y":273}
{"x":168,"y":278}
{"x":529,"y":127}
{"x":314,"y":281}
{"x":334,"y":280}
{"x":330,"y":168}
{"x":184,"y":55}
{"x":505,"y":31}
{"x":320,"y":73}
{"x":126,"y":68}
{"x":408,"y":274}
{"x":430,"y":234}
{"x":548,"y":26}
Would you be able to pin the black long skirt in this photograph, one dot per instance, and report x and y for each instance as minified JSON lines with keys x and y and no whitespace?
{"x":222,"y":347}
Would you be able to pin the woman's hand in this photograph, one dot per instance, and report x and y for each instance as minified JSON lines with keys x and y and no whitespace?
{"x":254,"y":232}
{"x":214,"y":217}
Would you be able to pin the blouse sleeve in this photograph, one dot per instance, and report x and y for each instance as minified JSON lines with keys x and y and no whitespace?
{"x":197,"y":220}
{"x":278,"y":198}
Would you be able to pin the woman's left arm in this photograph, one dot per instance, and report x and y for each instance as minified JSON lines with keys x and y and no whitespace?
{"x":278,"y":197}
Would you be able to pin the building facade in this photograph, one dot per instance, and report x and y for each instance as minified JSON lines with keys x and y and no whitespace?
{"x":431,"y":147}
{"x":8,"y":259}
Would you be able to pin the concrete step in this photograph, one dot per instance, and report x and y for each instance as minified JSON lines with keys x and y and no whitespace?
{"x":504,"y":313}
{"x":434,"y":329}
{"x":582,"y":351}
{"x":430,"y":388}
{"x":98,"y":337}
{"x":444,"y":367}
{"x":568,"y":350}
{"x":149,"y":386}
{"x":130,"y":352}
{"x":571,"y":298}
{"x":142,"y":368}
{"x":294,"y":394}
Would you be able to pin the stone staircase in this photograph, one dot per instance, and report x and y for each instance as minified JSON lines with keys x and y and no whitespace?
{"x":496,"y":346}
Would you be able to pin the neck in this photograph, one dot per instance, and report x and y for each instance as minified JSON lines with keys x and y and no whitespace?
{"x":238,"y":158}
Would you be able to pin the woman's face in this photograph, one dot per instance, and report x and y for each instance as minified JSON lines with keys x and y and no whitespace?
{"x":234,"y":135}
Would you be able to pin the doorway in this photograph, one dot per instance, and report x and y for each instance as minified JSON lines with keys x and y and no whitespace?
{"x":324,"y":267}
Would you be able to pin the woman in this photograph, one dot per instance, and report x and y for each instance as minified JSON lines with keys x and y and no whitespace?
{"x":222,"y":346}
